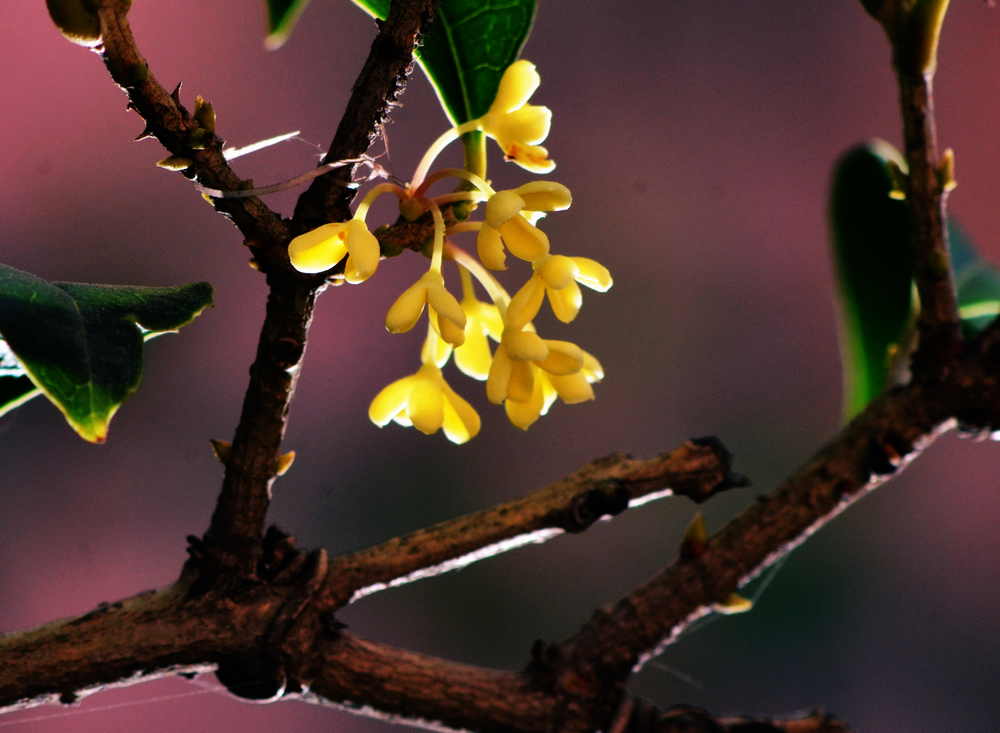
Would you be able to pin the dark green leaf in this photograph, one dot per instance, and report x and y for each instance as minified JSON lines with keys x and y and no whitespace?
{"x":82,"y":344}
{"x":467,"y":48}
{"x":874,"y":259}
{"x":281,"y":18}
{"x":977,"y":281}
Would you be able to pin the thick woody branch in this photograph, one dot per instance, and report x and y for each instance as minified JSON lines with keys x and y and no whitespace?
{"x":889,"y":434}
{"x":698,"y":469}
{"x":140,"y":638}
{"x":380,"y":82}
{"x":579,"y":682}
{"x":237,"y":525}
{"x":403,"y":685}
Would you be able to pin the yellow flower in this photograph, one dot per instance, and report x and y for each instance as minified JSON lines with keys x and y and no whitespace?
{"x":570,"y":388}
{"x":425,"y":401}
{"x":511,"y":375}
{"x":506,"y":225}
{"x":557,"y":276}
{"x":447,"y":316}
{"x":325,"y":246}
{"x":473,"y":357}
{"x":519,"y":127}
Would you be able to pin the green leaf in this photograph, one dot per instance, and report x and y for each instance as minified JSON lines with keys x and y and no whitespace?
{"x":874,"y":256}
{"x":82,"y":345}
{"x":467,"y":48}
{"x":873,"y":251}
{"x":977,"y":282}
{"x":281,"y":18}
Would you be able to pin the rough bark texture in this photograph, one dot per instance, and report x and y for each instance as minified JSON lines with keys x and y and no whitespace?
{"x":260,"y":612}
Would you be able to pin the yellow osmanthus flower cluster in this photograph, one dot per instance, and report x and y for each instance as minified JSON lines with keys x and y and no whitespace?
{"x":525,"y":372}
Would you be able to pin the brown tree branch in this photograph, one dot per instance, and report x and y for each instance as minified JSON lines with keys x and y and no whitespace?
{"x":374,"y":93}
{"x":912,"y":33}
{"x":697,"y":469}
{"x":940,"y":334}
{"x":238,"y":521}
{"x":889,"y":434}
{"x":170,"y":123}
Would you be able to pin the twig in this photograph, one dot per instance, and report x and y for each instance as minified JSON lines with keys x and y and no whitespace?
{"x":172,"y":125}
{"x":913,"y":33}
{"x":374,"y":93}
{"x":697,"y":469}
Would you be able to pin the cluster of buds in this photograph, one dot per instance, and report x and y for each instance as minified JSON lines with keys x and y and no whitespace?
{"x":525,"y":372}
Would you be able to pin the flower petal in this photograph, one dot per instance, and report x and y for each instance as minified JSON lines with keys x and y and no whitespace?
{"x":390,"y":401}
{"x":491,"y":320}
{"x":461,"y":421}
{"x":557,"y":271}
{"x":545,"y":195}
{"x":527,"y":346}
{"x":532,"y":158}
{"x":524,"y":306}
{"x":444,"y":303}
{"x":441,"y":350}
{"x":499,"y":376}
{"x":425,"y":407}
{"x":524,"y":240}
{"x":522,"y":381}
{"x":564,"y":358}
{"x":524,"y":414}
{"x":363,"y":248}
{"x":502,"y":206}
{"x":528,"y":125}
{"x":473,"y":357}
{"x":593,"y":274}
{"x":405,"y":312}
{"x":548,"y":390}
{"x":592,"y":368}
{"x":518,"y":83}
{"x":448,"y":331}
{"x":490,"y":248}
{"x":572,"y":388}
{"x":566,"y":302}
{"x":320,"y":249}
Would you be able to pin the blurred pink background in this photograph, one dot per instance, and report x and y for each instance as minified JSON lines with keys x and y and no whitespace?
{"x":698,"y":139}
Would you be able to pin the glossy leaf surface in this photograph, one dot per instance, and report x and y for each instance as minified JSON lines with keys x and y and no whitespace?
{"x":873,"y":252}
{"x":874,"y":256}
{"x":82,"y":345}
{"x":467,"y":48}
{"x":977,"y":282}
